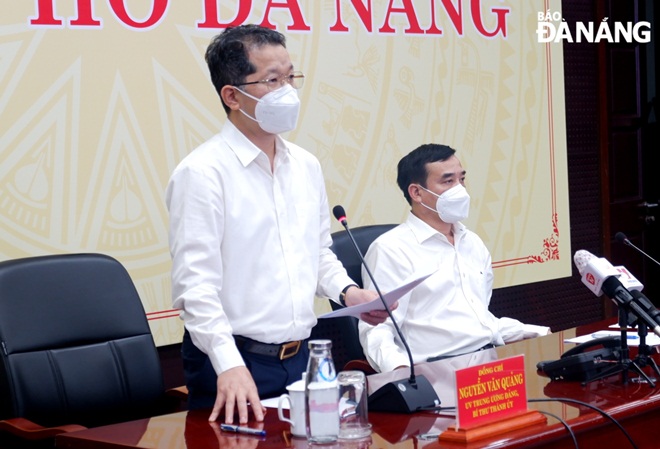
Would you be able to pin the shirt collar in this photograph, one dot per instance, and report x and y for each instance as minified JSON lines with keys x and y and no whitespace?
{"x":245,"y":150}
{"x":422,"y":231}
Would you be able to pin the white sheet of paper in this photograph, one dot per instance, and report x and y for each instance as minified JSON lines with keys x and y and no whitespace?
{"x":272,"y":403}
{"x":390,"y":298}
{"x":633,"y":338}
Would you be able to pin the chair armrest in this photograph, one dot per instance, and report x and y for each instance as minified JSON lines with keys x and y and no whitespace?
{"x":360,"y":365}
{"x":26,"y":429}
{"x":180,"y":393}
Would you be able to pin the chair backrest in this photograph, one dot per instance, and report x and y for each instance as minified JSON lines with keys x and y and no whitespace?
{"x":346,"y":339}
{"x":345,"y":251}
{"x":75,"y":345}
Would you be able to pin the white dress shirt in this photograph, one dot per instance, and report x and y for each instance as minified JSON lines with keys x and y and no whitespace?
{"x":250,"y":246}
{"x":447,"y":314}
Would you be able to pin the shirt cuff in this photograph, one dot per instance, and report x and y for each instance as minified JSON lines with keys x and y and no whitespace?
{"x":532,"y":331}
{"x":225,"y":357}
{"x":395,"y":360}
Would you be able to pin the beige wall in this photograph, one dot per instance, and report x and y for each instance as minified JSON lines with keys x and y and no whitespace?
{"x":94,"y":118}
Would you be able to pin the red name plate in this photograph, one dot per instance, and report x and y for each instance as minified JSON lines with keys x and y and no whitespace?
{"x":490,"y":392}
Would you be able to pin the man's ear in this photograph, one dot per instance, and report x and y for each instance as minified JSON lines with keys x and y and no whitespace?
{"x":415,"y":193}
{"x":228,"y":95}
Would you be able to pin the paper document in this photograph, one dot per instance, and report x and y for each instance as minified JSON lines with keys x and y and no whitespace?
{"x":390,"y":298}
{"x":273,"y":402}
{"x":632,"y":340}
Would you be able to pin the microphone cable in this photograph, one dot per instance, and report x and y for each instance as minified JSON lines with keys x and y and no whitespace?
{"x":566,"y":426}
{"x":593,"y":407}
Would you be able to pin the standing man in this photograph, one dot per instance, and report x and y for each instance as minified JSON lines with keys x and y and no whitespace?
{"x":250,"y":235}
{"x":447,"y":314}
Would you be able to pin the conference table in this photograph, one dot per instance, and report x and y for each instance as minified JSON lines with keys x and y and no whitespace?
{"x":635,"y":405}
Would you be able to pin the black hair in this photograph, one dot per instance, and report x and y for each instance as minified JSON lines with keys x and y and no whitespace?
{"x":412,"y":167}
{"x":228,"y":54}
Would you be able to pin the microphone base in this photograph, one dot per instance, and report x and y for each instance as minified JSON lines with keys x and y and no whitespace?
{"x":401,"y":396}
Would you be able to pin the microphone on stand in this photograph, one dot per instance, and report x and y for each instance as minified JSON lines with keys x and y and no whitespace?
{"x":621,"y":238}
{"x":600,"y":277}
{"x":646,"y":304}
{"x":399,"y":396}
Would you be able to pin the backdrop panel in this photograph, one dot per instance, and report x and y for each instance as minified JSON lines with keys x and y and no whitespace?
{"x":99,"y":100}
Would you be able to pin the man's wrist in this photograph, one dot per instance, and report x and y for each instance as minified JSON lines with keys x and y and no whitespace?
{"x":342,"y":295}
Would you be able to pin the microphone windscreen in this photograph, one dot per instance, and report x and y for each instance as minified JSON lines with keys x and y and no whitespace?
{"x":621,"y":238}
{"x":581,"y":259}
{"x":339,"y":212}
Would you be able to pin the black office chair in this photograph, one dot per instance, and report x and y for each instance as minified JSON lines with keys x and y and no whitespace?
{"x":75,"y":347}
{"x":346,"y":337}
{"x":345,"y":251}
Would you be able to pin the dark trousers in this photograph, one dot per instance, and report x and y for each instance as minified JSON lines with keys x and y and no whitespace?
{"x":270,"y":374}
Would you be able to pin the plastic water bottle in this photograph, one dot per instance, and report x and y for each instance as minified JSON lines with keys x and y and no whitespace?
{"x":321,"y":394}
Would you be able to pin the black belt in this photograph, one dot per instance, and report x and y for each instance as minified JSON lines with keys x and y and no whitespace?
{"x":488,"y":346}
{"x":280,"y":351}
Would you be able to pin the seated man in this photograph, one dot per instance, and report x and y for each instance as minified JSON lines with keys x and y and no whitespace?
{"x":447,"y":314}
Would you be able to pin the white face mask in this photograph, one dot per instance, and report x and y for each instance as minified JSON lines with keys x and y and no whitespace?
{"x":277,"y":111}
{"x":453,"y":205}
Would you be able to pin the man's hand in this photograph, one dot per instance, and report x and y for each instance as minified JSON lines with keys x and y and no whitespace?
{"x":355,"y":296}
{"x":236,"y":390}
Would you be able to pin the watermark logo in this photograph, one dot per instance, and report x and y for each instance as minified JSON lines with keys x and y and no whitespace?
{"x":553,"y":28}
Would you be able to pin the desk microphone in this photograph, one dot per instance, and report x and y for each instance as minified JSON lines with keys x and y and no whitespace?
{"x":600,"y":277}
{"x":399,"y":396}
{"x":646,"y":304}
{"x":621,"y":238}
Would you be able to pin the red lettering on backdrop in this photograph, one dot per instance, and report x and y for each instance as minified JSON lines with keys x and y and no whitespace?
{"x":296,"y":14}
{"x":479,"y":24}
{"x":433,"y":29}
{"x":363,"y":11}
{"x":45,"y":14}
{"x":211,"y":14}
{"x":453,"y":9}
{"x":409,"y":11}
{"x":455,"y":14}
{"x":85,"y":17}
{"x":157,"y":13}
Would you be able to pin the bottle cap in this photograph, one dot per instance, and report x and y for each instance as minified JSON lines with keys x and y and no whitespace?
{"x":319,"y":344}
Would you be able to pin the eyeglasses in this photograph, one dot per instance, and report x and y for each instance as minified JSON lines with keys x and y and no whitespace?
{"x":296,"y":79}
